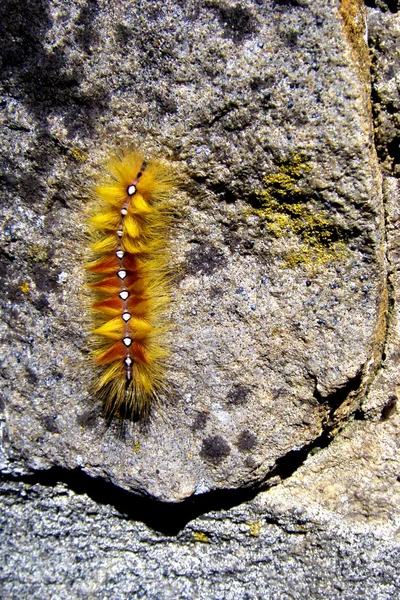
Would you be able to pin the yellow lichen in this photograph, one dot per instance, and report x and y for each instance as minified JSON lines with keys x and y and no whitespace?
{"x":255,"y":528}
{"x":25,"y":287}
{"x":79,"y":155}
{"x":38,"y":252}
{"x":285,"y":210}
{"x":202,"y":537}
{"x":315,"y":256}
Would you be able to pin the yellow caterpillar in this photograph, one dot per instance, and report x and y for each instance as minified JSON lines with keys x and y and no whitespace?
{"x":130,"y":283}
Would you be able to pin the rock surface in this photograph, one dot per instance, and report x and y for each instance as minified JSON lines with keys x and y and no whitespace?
{"x":280,"y":291}
{"x":70,"y":546}
{"x":328,"y":530}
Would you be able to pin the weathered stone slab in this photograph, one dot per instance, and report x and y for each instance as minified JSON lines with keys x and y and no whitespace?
{"x":280,"y":290}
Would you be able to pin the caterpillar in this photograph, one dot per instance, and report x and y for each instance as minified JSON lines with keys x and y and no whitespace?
{"x":129,"y":281}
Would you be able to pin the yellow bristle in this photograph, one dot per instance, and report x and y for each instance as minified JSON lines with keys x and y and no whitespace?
{"x":113,"y":329}
{"x":112,"y":194}
{"x":155,"y":181}
{"x":106,"y":244}
{"x":137,"y":246}
{"x":108,"y":220}
{"x":139,"y":328}
{"x":132,"y":201}
{"x":140,"y":286}
{"x":140,"y":206}
{"x":126,"y":168}
{"x":143,"y":380}
{"x":96,"y":354}
{"x":111,"y":372}
{"x":132,"y":227}
{"x":140,"y":309}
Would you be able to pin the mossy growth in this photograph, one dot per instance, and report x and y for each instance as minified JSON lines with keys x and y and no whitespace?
{"x":284,"y":208}
{"x":255,"y":528}
{"x":38,"y":252}
{"x":202,"y":537}
{"x":78,"y":154}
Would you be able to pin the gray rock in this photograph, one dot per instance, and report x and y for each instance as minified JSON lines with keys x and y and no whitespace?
{"x":330,"y":528}
{"x":67,"y":545}
{"x":383,"y":32}
{"x":280,"y":295}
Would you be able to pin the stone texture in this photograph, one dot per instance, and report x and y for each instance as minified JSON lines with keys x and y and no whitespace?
{"x":68,"y":545}
{"x":384,"y":43}
{"x":278,"y":249}
{"x":328,"y":530}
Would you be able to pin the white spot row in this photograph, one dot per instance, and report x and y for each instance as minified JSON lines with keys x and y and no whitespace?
{"x":131,"y":190}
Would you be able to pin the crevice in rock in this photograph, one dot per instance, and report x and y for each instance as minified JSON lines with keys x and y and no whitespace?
{"x":359,"y":415}
{"x":384,"y":6}
{"x":167,"y":518}
{"x":290,"y":462}
{"x":335,"y":398}
{"x":170,"y":518}
{"x":382,"y":151}
{"x":389,"y":407}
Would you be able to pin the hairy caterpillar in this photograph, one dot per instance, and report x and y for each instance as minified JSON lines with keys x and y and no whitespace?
{"x":130,"y":283}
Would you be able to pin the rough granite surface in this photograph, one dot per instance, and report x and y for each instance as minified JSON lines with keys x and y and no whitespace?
{"x":286,"y":225}
{"x":277,"y":249}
